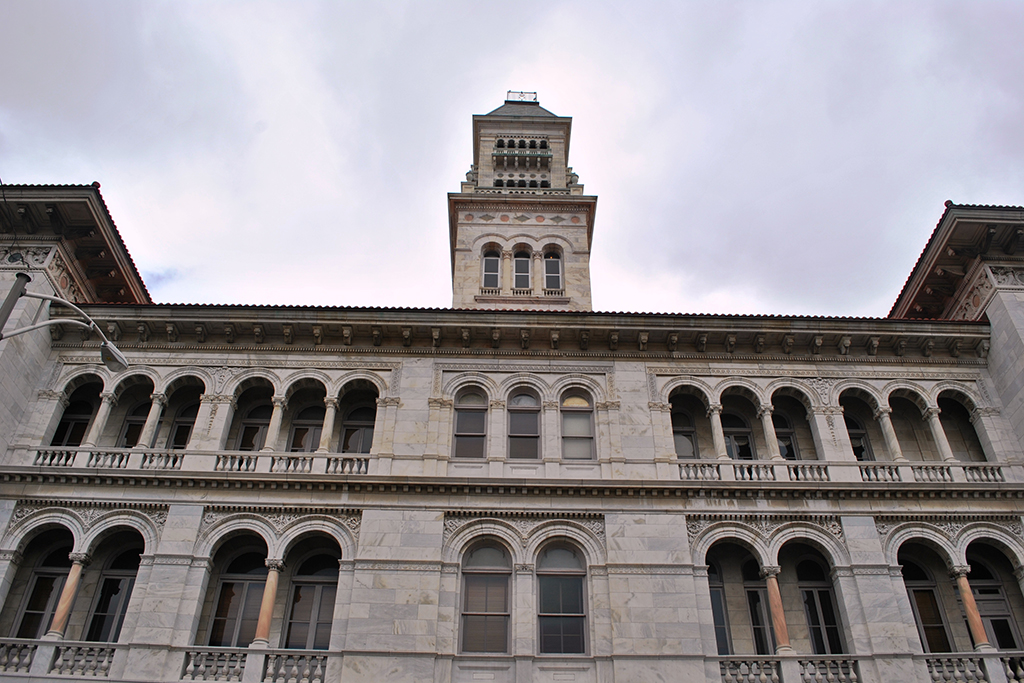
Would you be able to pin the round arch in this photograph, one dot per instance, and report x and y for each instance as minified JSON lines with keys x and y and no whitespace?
{"x":957,"y":392}
{"x":251,"y":378}
{"x":479,"y":529}
{"x":787,"y":386}
{"x":857,"y":389}
{"x":311,"y":525}
{"x":565,"y":530}
{"x":135,"y":376}
{"x":741,"y":386}
{"x":524,"y":379}
{"x":578,"y":381}
{"x":118,"y":520}
{"x":926,"y":535}
{"x":305,"y":379}
{"x":729,"y":532}
{"x":985,"y":532}
{"x":808,"y":534}
{"x":185,"y":377}
{"x":908,"y":390}
{"x":689,"y":385}
{"x":234,"y":525}
{"x":337,"y":388}
{"x":455,"y":384}
{"x":79,"y":377}
{"x":18,"y":536}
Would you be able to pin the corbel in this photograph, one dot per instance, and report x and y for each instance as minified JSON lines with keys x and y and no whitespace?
{"x":524,"y":338}
{"x":702,"y":342}
{"x":759,"y":342}
{"x":554,"y":340}
{"x":407,"y":336}
{"x":318,"y":335}
{"x":466,"y":337}
{"x":584,"y":340}
{"x":900,"y":347}
{"x":435,"y":337}
{"x":377,"y":335}
{"x":955,"y":346}
{"x":982,"y":348}
{"x":257,"y":333}
{"x":816,"y":343}
{"x":114,"y":331}
{"x":673,"y":342}
{"x":641,"y":340}
{"x":927,"y":346}
{"x":730,"y":343}
{"x":289,"y":333}
{"x":200,"y":333}
{"x":788,"y":342}
{"x":872,"y":345}
{"x":56,"y":332}
{"x":844,"y":345}
{"x":143,"y":330}
{"x":229,"y":333}
{"x":172,"y":332}
{"x":346,"y":335}
{"x":613,"y":341}
{"x":495,"y":337}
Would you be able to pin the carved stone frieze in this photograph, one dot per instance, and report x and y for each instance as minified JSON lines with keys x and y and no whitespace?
{"x":281,"y":519}
{"x":87,"y":515}
{"x":763,"y":526}
{"x":525,"y":523}
{"x":949,"y":527}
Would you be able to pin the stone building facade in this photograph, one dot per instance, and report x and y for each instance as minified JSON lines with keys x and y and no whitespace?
{"x":517,"y":488}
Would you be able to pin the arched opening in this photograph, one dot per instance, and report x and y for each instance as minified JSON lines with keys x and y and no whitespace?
{"x":498,"y":182}
{"x":492,"y":268}
{"x":936,"y":611}
{"x":911,"y":430}
{"x":577,"y":412}
{"x":997,"y":595}
{"x":685,"y":409}
{"x":792,"y":430}
{"x":866,"y":437}
{"x":74,"y":423}
{"x":501,"y":144}
{"x":110,"y":590}
{"x":739,"y":412}
{"x":37,"y":585}
{"x":521,"y":267}
{"x":486,"y":598}
{"x":552,"y":270}
{"x":805,"y":580}
{"x":358,"y":411}
{"x":744,"y":612}
{"x":312,"y":594}
{"x":232,"y":608}
{"x":524,"y":424}
{"x":134,"y":421}
{"x":960,"y":433}
{"x":252,"y":417}
{"x":470,"y":423}
{"x":562,"y":613}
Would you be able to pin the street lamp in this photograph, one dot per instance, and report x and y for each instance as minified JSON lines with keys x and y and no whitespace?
{"x":109,"y":354}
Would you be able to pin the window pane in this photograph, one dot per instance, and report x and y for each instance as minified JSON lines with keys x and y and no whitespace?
{"x":179,"y":439}
{"x":76,"y":434}
{"x":522,"y":281}
{"x":523,"y":423}
{"x":718,"y":612}
{"x":250,"y":615}
{"x":250,"y":439}
{"x":684,"y":446}
{"x":786,"y":447}
{"x":470,"y":421}
{"x":576,"y":424}
{"x":39,"y":611}
{"x":1004,"y":634}
{"x":132,"y":434}
{"x":561,"y":635}
{"x":109,"y":610}
{"x":469,"y":446}
{"x":484,"y":633}
{"x":522,"y":266}
{"x":814,"y":623}
{"x":299,"y":437}
{"x":322,"y":637}
{"x":935,"y":636}
{"x":224,"y":616}
{"x":523,"y":447}
{"x":491,"y":280}
{"x":577,"y":449}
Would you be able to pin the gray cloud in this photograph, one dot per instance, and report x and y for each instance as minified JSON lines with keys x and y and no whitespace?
{"x":777,"y":157}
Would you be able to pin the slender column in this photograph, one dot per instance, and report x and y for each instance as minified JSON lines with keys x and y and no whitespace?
{"x":506,"y":272}
{"x":538,"y":274}
{"x":939,"y":434}
{"x":892,"y":444}
{"x":67,"y":596}
{"x":274,"y":568}
{"x":959,"y":574}
{"x":152,"y":421}
{"x":99,"y":423}
{"x":328,"y":428}
{"x":765,"y":413}
{"x":770,"y":574}
{"x":717,"y":435}
{"x":276,"y":418}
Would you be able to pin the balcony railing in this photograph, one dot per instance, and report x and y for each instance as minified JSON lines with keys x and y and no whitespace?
{"x":16,"y":655}
{"x":751,"y":669}
{"x":811,"y":471}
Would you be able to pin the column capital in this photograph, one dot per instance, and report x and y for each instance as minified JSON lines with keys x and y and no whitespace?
{"x":770,"y":570}
{"x":80,"y":558}
{"x":109,"y":397}
{"x":979,"y":413}
{"x":280,"y":402}
{"x":958,"y":570}
{"x":930,"y":412}
{"x":765,"y":410}
{"x":331,"y":402}
{"x":882,"y":410}
{"x":274,"y":564}
{"x":506,"y":254}
{"x":218,"y":398}
{"x":714,"y":409}
{"x":158,"y":398}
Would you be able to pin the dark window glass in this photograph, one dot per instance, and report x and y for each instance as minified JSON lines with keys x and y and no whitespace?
{"x":73,"y":425}
{"x":858,"y":439}
{"x":561,"y":618}
{"x":492,"y":261}
{"x":470,"y":425}
{"x":739,"y":443}
{"x":523,"y":426}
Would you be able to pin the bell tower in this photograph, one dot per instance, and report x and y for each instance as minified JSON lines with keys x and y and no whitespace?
{"x":521,"y":227}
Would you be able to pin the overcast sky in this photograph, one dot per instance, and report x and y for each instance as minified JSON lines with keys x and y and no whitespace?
{"x":750,"y":157}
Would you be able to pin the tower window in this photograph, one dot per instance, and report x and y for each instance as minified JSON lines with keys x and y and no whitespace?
{"x":501,"y":144}
{"x":545,"y":183}
{"x":533,"y":144}
{"x":543,"y":144}
{"x":522,"y":144}
{"x":492,"y":265}
{"x":522,"y":269}
{"x":522,"y":183}
{"x":533,"y":183}
{"x":498,"y":183}
{"x":523,"y":426}
{"x":552,"y":270}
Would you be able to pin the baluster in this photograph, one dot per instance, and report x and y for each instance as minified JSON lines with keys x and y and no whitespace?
{"x":190,"y":669}
{"x":727,"y":676}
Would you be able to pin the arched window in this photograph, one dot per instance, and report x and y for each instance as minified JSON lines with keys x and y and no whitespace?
{"x":73,"y":425}
{"x":739,"y":442}
{"x":858,"y":439}
{"x":115,"y":589}
{"x":357,"y":429}
{"x":238,"y":601}
{"x":498,"y":182}
{"x":577,"y":426}
{"x":511,"y":144}
{"x":927,"y":610}
{"x":470,"y":424}
{"x":757,"y":603}
{"x":562,"y":614}
{"x":311,"y":609}
{"x":683,"y":433}
{"x":306,"y":429}
{"x":819,"y":608}
{"x":545,"y":183}
{"x":44,"y":591}
{"x":994,"y":608}
{"x":181,"y":428}
{"x":253,"y":431}
{"x":521,"y":268}
{"x":533,"y":144}
{"x":523,"y":426}
{"x":133,"y":424}
{"x":486,"y":604}
{"x":533,"y":183}
{"x":785,"y":436}
{"x":522,"y":144}
{"x":492,"y":268}
{"x":552,"y":270}
{"x":543,"y":144}
{"x":501,"y":144}
{"x":522,"y":183}
{"x":718,"y":611}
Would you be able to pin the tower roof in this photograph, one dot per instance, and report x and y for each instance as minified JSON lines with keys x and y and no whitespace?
{"x":519,"y":108}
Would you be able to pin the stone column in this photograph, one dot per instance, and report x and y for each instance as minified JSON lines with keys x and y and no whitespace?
{"x":892,"y":444}
{"x":328,"y":428}
{"x":67,"y":596}
{"x":822,"y":422}
{"x":156,"y":408}
{"x":939,"y":434}
{"x":537,"y":276}
{"x":496,"y":448}
{"x":99,"y":423}
{"x":765,"y":413}
{"x":959,"y":574}
{"x":770,"y":574}
{"x":717,"y":435}
{"x":262,"y":638}
{"x":276,"y":418}
{"x":506,"y":272}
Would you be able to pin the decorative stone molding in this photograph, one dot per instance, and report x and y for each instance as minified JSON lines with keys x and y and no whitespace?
{"x":80,"y":558}
{"x":763,"y":526}
{"x":397,"y":566}
{"x":496,"y":403}
{"x":524,"y":569}
{"x":275,"y":564}
{"x":770,"y":570}
{"x":651,"y":569}
{"x":608,"y":405}
{"x":434,"y":402}
{"x":12,"y":556}
{"x":281,"y":518}
{"x":525,"y":522}
{"x":173,"y":560}
{"x":958,"y":570}
{"x":822,"y":386}
{"x":87,"y":514}
{"x":949,"y":527}
{"x":659,"y":407}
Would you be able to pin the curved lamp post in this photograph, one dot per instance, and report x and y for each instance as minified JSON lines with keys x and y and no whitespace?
{"x":109,"y":354}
